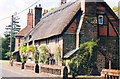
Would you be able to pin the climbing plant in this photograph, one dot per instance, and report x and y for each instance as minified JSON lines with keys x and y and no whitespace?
{"x":44,"y":55}
{"x":23,"y":53}
{"x":58,"y":54}
{"x":31,"y":49}
{"x":85,"y":61}
{"x":36,"y":55}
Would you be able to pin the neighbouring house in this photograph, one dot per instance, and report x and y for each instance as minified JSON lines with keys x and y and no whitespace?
{"x":20,"y":37}
{"x":74,"y":23}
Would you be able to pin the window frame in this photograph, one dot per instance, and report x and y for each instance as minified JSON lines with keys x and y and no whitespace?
{"x":99,"y":19}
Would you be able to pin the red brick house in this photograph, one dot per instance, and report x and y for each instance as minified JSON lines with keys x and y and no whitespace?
{"x":77,"y":22}
{"x":20,"y":37}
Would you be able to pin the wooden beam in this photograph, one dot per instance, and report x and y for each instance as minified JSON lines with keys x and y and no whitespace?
{"x":107,"y":28}
{"x":112,"y":25}
{"x":97,"y":27}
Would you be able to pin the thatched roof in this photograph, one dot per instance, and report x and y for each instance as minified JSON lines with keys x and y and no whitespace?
{"x":54,"y":22}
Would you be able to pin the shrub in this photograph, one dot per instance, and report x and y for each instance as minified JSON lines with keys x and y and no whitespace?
{"x":23,"y":53}
{"x":45,"y":55}
{"x":36,"y":56}
{"x":58,"y":54}
{"x":85,"y":61}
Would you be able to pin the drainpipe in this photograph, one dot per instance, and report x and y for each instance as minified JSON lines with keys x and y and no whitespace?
{"x":80,"y":23}
{"x":33,"y":43}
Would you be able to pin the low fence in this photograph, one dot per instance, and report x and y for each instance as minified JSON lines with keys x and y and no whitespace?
{"x":56,"y":70}
{"x":30,"y":66}
{"x":17,"y":64}
{"x":110,"y":74}
{"x":60,"y":71}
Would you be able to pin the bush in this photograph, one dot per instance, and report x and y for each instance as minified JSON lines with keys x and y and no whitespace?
{"x":45,"y":55}
{"x":84,"y":62}
{"x":58,"y":54}
{"x":36,"y":56}
{"x":23,"y":53}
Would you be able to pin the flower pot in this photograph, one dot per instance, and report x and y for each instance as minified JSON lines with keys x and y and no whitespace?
{"x":22,"y":65}
{"x":37,"y":68}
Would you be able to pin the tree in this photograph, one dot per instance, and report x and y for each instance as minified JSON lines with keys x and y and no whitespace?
{"x":16,"y":27}
{"x":115,"y":9}
{"x":85,"y":61}
{"x":6,"y":40}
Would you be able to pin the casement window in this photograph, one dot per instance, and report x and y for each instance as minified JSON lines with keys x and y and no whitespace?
{"x":100,"y":19}
{"x":57,"y":39}
{"x":18,"y":41}
{"x":47,"y":41}
{"x":39,"y":42}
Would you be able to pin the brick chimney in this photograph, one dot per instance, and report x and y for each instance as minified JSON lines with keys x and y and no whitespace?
{"x":45,"y":11}
{"x":38,"y":14}
{"x":62,"y":2}
{"x":30,"y":18}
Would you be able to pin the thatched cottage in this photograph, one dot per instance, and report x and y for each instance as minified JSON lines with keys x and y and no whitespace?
{"x":74,"y":23}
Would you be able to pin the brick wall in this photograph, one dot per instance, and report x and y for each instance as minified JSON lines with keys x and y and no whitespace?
{"x":17,"y":40}
{"x":89,"y":30}
{"x":69,"y":42}
{"x":109,"y":47}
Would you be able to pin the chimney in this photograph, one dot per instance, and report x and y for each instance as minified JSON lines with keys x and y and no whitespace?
{"x":62,"y":2}
{"x":38,"y":14}
{"x":45,"y":11}
{"x":30,"y":18}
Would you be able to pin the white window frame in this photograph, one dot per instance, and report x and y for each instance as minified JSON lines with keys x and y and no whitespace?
{"x":99,"y":19}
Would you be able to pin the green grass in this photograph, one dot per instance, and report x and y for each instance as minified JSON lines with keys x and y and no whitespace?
{"x":3,"y":62}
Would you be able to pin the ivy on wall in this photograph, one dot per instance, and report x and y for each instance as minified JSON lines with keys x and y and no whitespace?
{"x":85,"y":61}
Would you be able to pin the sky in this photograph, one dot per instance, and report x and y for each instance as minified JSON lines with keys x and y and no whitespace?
{"x":9,"y":7}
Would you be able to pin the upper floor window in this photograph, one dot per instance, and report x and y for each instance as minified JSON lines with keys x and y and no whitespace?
{"x":100,"y":19}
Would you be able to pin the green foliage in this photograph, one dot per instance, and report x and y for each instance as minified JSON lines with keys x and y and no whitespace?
{"x":45,"y":55}
{"x":85,"y":61}
{"x":36,"y":56}
{"x":64,"y":62}
{"x":31,"y":49}
{"x":115,"y":9}
{"x":51,"y":9}
{"x":16,"y":27}
{"x":23,"y":53}
{"x":7,"y":55}
{"x":5,"y":46}
{"x":58,"y":54}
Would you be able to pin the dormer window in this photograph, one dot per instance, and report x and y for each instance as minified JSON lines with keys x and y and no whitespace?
{"x":100,"y":19}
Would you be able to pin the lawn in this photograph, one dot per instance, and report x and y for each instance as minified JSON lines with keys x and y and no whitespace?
{"x":4,"y":62}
